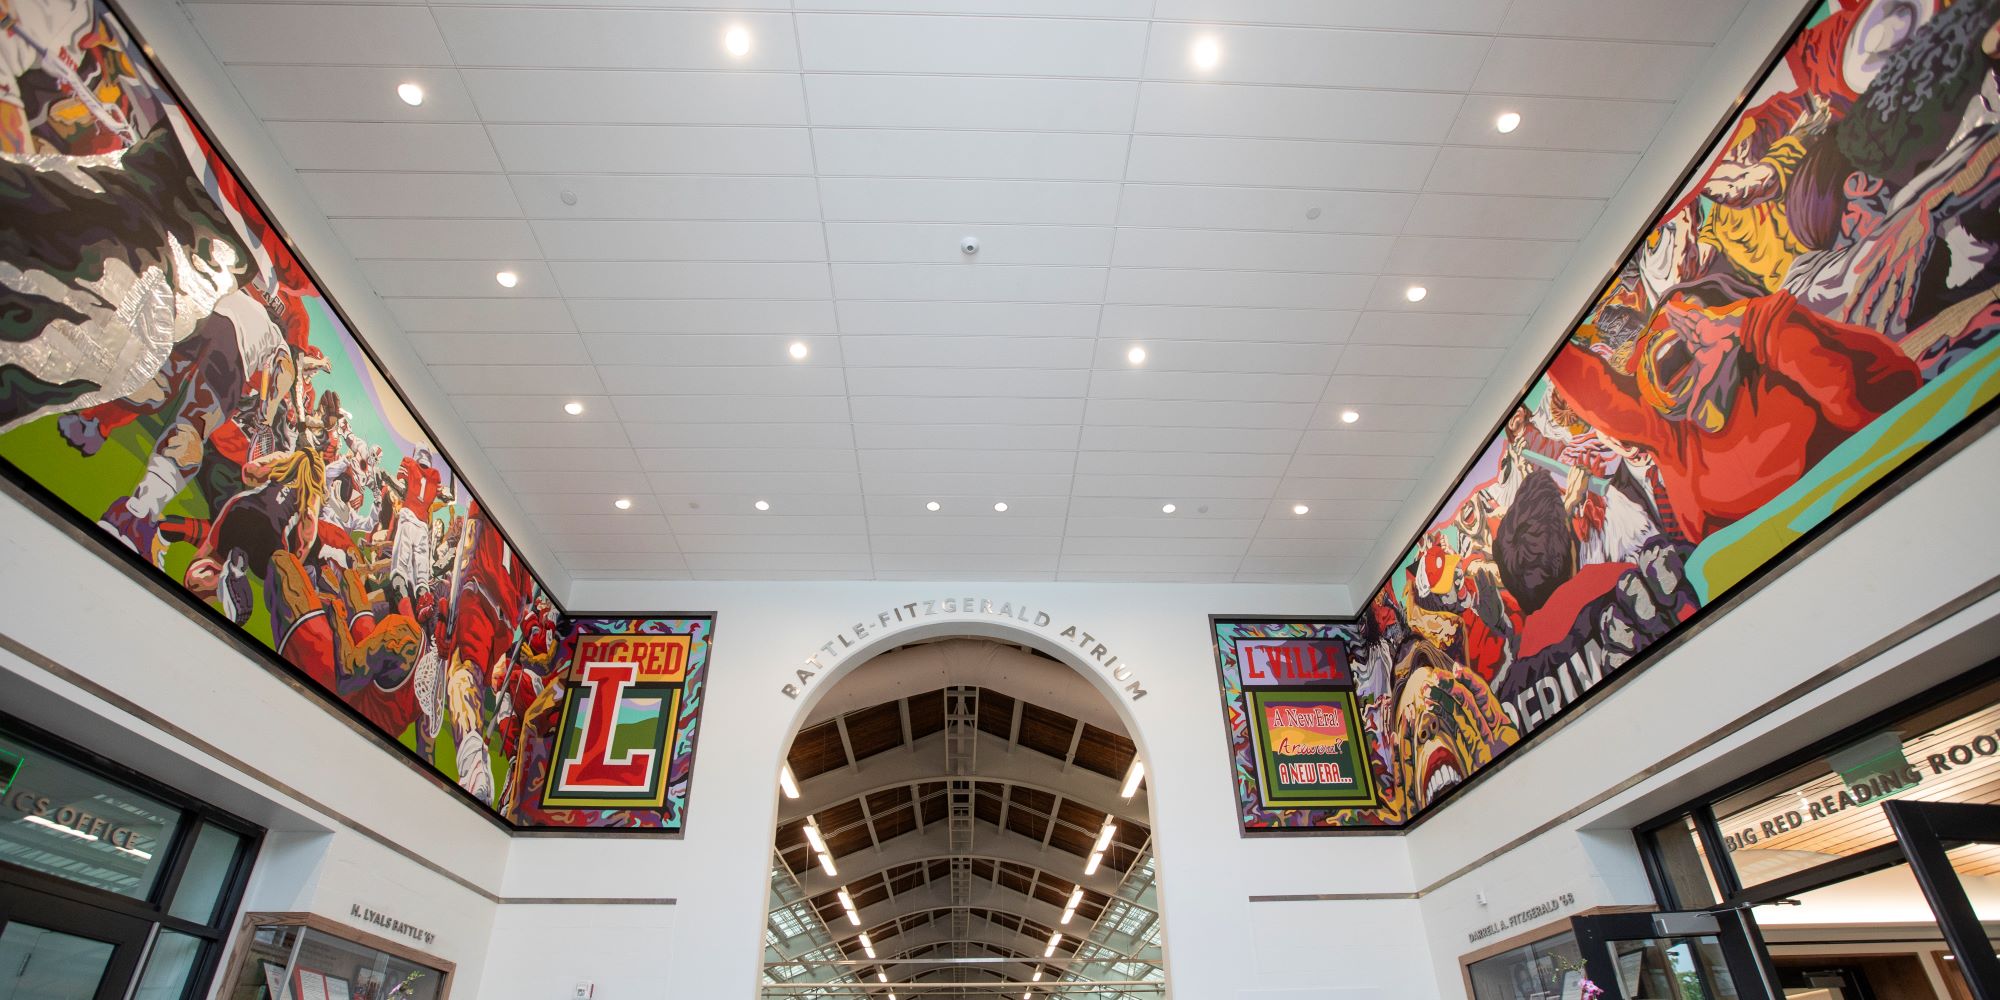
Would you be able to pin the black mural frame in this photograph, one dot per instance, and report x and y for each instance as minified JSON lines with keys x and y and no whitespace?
{"x":1863,"y":502}
{"x":84,"y":529}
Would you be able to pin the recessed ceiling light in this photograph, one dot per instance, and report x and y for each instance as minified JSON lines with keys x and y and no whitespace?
{"x":763,"y":505}
{"x":799,"y":350}
{"x":933,"y":505}
{"x":1508,"y":121}
{"x":573,"y":408}
{"x":1207,"y":52}
{"x":1167,"y":509}
{"x":507,"y":279}
{"x":1416,"y":293}
{"x":1299,"y":508}
{"x":1349,"y":416}
{"x":411,"y":94}
{"x":1136,"y":355}
{"x":622,"y":504}
{"x":1001,"y":506}
{"x":737,"y":41}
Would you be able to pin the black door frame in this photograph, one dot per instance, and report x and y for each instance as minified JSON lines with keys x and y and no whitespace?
{"x":1927,"y":831}
{"x":1735,"y":930}
{"x":128,"y":935}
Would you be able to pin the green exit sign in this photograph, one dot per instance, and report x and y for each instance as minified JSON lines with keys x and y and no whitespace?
{"x":10,"y":765}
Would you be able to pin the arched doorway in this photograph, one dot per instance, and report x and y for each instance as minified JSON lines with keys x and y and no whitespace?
{"x":963,"y":817}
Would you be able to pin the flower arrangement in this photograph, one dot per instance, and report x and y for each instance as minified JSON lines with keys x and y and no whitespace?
{"x":1590,"y":991}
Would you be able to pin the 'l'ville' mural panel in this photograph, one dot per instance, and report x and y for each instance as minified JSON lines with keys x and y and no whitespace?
{"x":172,"y":374}
{"x":1816,"y":306}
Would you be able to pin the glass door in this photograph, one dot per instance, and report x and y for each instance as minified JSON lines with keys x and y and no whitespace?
{"x":1675,"y":956}
{"x":59,"y":949}
{"x":1941,"y":838}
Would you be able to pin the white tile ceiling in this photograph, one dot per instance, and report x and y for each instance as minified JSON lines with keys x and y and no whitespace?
{"x":679,"y":217}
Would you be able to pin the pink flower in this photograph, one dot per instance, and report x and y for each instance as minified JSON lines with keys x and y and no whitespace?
{"x":1591,"y":991}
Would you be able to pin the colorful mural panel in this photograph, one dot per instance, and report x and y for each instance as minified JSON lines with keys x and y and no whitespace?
{"x":170,"y":372}
{"x":610,"y":741}
{"x":1815,"y":308}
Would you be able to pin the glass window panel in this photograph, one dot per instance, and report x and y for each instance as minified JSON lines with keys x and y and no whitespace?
{"x":41,"y":964}
{"x":1832,"y":807}
{"x":206,"y":875}
{"x":60,"y":819}
{"x":1686,"y":865}
{"x":169,"y":967}
{"x":1537,"y":971}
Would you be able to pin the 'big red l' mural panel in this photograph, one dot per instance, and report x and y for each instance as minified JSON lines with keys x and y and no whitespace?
{"x":171,"y":374}
{"x":1815,"y":308}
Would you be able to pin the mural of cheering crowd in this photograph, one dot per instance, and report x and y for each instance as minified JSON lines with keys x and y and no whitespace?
{"x":169,"y":371}
{"x":1815,"y":307}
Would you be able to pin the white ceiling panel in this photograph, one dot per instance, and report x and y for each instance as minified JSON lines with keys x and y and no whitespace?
{"x":1297,"y":112}
{"x":702,"y":316}
{"x":680,"y":218}
{"x":1428,"y":15}
{"x":689,"y":280}
{"x":953,"y":102}
{"x":446,"y":239}
{"x":383,"y":146}
{"x":608,"y":239}
{"x":693,"y":349}
{"x":292,"y":34}
{"x":920,"y":200}
{"x":351,"y":93}
{"x":979,"y":282}
{"x":617,"y":199}
{"x":636,"y":97}
{"x":1386,"y":60}
{"x":1281,"y":209}
{"x":1258,"y":323}
{"x":1215,"y":249}
{"x":991,"y":437}
{"x":1486,"y":215}
{"x":1006,"y":46}
{"x":1279,"y":162}
{"x":1568,"y":67}
{"x":434,"y":196}
{"x":933,"y":243}
{"x":1564,"y":174}
{"x":1062,"y":156}
{"x":597,"y":38}
{"x":1703,"y":21}
{"x":652,"y":149}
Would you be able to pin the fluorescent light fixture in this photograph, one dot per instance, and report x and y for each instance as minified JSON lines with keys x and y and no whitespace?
{"x":1038,"y":975}
{"x":1416,"y":293}
{"x":881,"y":977}
{"x":1024,"y":994}
{"x":737,"y":41}
{"x":846,"y":901}
{"x":1096,"y":858}
{"x":799,"y":350}
{"x":411,"y":94}
{"x":826,"y":865}
{"x":1508,"y":121}
{"x":786,"y":783}
{"x":1207,"y":52}
{"x":867,"y":946}
{"x":812,"y":837}
{"x":573,"y":408}
{"x":854,"y":918}
{"x":1067,"y":914}
{"x":1054,"y":939}
{"x":1076,"y":897}
{"x":507,"y":279}
{"x":59,"y":828}
{"x":1133,"y":775}
{"x":1104,"y":836}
